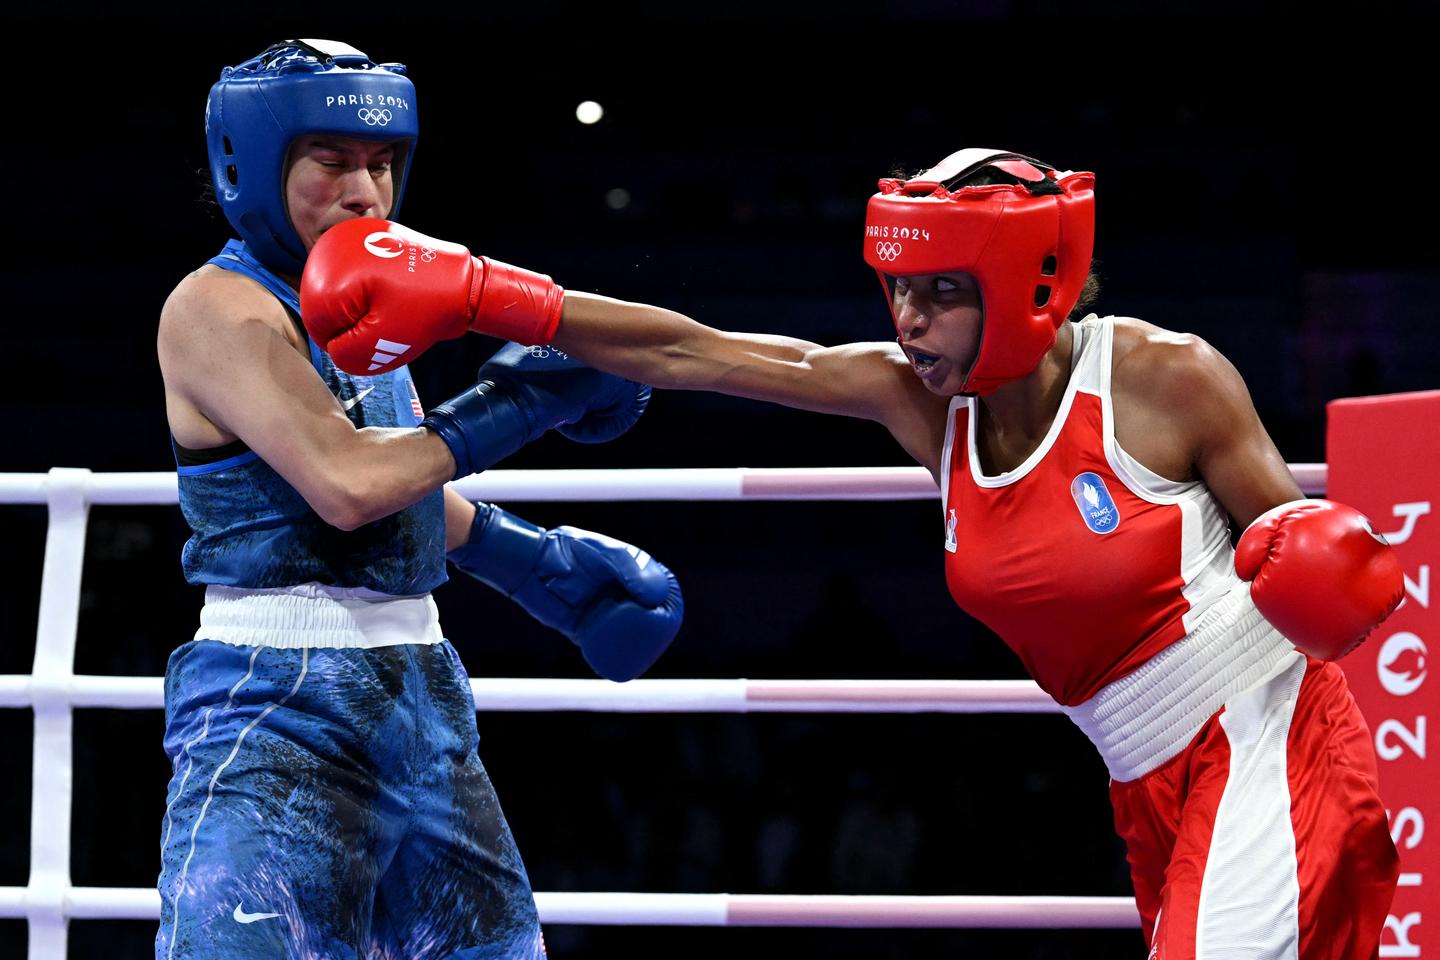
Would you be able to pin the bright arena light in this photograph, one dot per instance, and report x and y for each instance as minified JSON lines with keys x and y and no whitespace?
{"x":589,"y":112}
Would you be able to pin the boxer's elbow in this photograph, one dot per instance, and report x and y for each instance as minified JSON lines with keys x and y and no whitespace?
{"x":378,"y":472}
{"x":348,"y":497}
{"x":349,"y":522}
{"x":344,"y":507}
{"x":351,"y":477}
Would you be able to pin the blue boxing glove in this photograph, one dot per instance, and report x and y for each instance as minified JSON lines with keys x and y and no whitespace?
{"x":618,"y":604}
{"x":612,"y":409}
{"x":524,"y":391}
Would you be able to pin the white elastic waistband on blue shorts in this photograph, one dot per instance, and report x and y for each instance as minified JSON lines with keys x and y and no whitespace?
{"x":314,"y":615}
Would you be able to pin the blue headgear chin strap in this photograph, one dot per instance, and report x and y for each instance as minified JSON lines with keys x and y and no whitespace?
{"x":258,"y":108}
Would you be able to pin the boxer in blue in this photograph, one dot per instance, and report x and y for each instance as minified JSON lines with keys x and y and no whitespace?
{"x":327,"y":798}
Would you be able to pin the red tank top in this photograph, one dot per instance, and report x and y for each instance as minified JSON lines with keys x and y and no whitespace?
{"x":1082,"y":560}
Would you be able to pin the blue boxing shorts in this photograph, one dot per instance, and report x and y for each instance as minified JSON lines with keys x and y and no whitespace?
{"x":327,"y":798}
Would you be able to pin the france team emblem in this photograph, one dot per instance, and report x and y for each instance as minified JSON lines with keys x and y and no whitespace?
{"x":1097,"y":507}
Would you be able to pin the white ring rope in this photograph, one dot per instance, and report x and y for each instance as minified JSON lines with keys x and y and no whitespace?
{"x":53,"y":691}
{"x":712,"y":909}
{"x":637,"y":696}
{"x":718,"y":483}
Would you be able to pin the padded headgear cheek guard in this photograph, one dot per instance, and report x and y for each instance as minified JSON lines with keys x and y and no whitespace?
{"x":258,"y":108}
{"x":1027,"y":241}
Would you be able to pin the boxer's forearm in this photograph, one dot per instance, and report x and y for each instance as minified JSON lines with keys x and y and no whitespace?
{"x":459,"y":517}
{"x":375,"y":472}
{"x":669,"y":350}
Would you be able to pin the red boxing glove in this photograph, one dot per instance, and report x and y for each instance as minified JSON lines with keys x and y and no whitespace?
{"x":376,"y":295}
{"x":1320,"y":575}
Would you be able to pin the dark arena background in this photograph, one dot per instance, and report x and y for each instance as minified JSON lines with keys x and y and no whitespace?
{"x":1268,"y":193}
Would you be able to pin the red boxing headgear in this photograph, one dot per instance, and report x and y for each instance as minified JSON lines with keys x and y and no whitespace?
{"x":1025,"y":234}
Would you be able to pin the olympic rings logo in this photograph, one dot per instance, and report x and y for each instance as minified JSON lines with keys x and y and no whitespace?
{"x":373,"y":117}
{"x":427,"y":255}
{"x":888,"y":251}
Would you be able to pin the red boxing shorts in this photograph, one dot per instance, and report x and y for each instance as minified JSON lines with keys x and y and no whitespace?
{"x":1265,"y":836}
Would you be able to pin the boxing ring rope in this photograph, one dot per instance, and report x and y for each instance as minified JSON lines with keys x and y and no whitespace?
{"x":525,"y":694}
{"x":706,"y":483}
{"x":53,"y":691}
{"x":715,"y":910}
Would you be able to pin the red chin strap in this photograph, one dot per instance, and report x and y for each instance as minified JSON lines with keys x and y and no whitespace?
{"x":1027,"y":242}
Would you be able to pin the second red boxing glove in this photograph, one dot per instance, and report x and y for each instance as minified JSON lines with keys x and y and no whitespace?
{"x":1320,"y":575}
{"x":376,"y":295}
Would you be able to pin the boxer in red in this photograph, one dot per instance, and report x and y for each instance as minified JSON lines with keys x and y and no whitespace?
{"x":1087,"y":466}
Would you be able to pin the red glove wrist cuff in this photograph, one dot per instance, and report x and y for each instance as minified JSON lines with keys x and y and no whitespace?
{"x":514,"y":303}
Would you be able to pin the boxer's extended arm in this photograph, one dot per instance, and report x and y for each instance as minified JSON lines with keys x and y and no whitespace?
{"x":371,"y":283}
{"x":232,"y":371}
{"x":870,"y":381}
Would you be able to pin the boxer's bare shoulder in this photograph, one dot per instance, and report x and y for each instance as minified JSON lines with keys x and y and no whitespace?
{"x":1143,"y":350}
{"x":1183,"y":410}
{"x":1166,"y":387}
{"x":211,"y":296}
{"x":228,"y":348}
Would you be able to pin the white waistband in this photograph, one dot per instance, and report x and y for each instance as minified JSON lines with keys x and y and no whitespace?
{"x":313,"y":615}
{"x":1145,"y":718}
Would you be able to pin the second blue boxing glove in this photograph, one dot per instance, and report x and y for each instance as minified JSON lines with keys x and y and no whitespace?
{"x":621,"y":606}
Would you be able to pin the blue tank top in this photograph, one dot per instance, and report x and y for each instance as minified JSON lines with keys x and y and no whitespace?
{"x":252,"y":529}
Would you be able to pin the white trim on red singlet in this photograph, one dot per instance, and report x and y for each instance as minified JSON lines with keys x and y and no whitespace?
{"x":1207,"y":561}
{"x":956,"y":405}
{"x":1077,"y":358}
{"x":1206,"y":557}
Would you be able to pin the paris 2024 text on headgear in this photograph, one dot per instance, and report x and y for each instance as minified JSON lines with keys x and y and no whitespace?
{"x":1026,"y":240}
{"x":258,"y":108}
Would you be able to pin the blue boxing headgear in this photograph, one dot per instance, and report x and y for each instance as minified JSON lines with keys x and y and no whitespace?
{"x":258,"y":108}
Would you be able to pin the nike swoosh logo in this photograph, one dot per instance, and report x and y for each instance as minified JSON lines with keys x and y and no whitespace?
{"x":349,"y":405}
{"x":242,"y":917}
